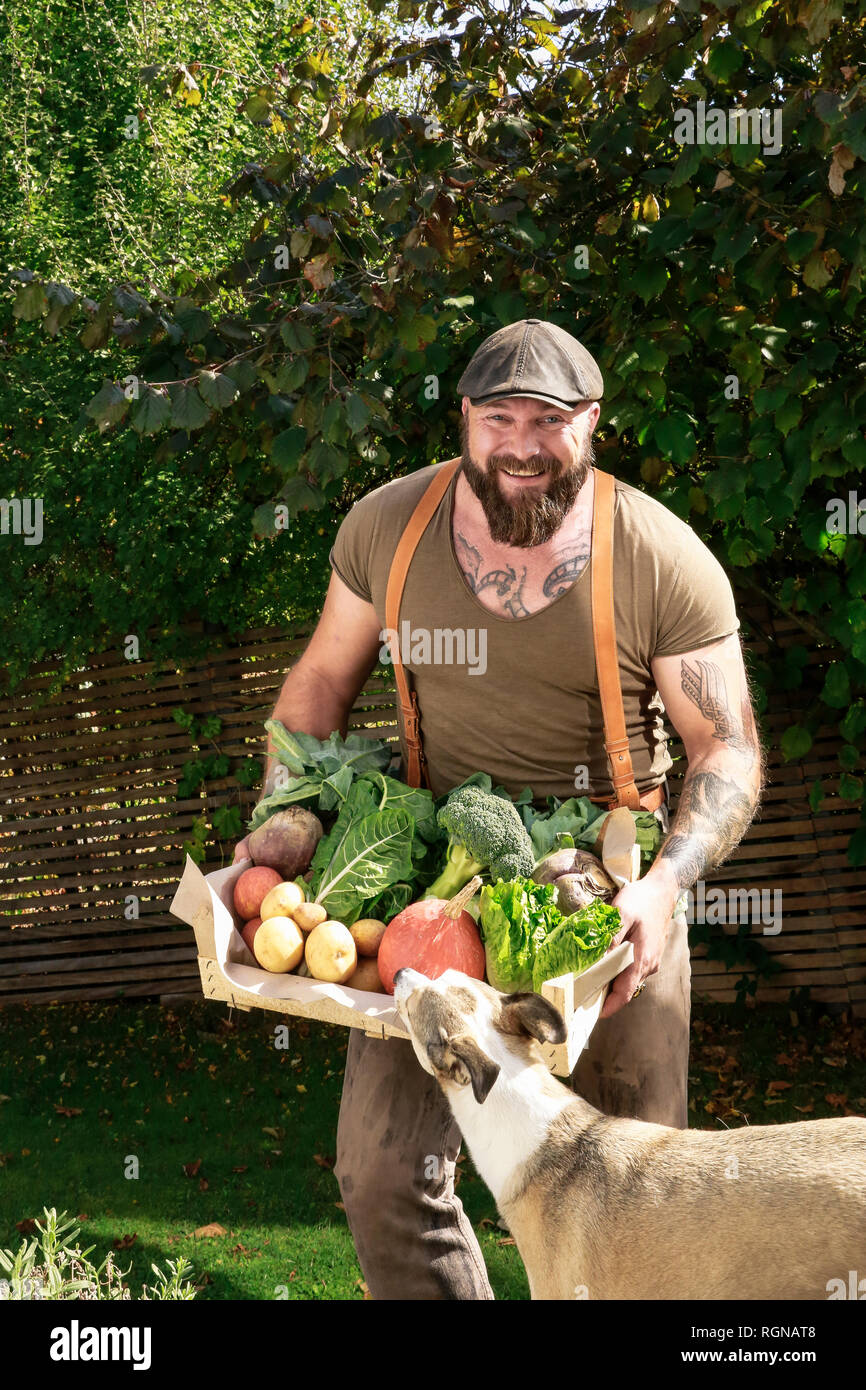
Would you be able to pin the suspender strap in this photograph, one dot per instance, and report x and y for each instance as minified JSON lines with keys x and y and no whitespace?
{"x":603,"y":628}
{"x":416,"y":775}
{"x":604,"y":637}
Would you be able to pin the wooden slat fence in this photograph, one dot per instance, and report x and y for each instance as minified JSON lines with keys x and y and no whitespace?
{"x":91,"y":818}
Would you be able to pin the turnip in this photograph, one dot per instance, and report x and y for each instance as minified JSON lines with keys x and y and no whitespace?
{"x":287,"y":841}
{"x":578,"y":876}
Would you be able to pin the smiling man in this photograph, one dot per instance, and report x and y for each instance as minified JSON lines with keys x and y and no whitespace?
{"x":508,"y":549}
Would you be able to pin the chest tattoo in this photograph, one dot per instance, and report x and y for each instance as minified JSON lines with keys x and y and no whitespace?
{"x":510,"y":584}
{"x":563,"y":574}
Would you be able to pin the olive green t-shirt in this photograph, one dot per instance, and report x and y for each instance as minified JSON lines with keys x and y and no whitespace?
{"x":518,"y":697}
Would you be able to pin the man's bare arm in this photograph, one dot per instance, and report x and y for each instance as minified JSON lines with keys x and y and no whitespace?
{"x":321,"y":688}
{"x":706,"y":694}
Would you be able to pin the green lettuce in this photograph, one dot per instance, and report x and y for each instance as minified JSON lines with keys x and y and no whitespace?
{"x":576,"y":942}
{"x":514,"y":918}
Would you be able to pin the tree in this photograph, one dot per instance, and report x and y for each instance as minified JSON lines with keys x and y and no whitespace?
{"x":565,"y":164}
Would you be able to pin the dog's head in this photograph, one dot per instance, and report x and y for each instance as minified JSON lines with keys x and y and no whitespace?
{"x":464,"y":1032}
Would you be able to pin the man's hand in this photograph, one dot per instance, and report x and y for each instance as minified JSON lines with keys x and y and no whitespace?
{"x":645,"y":908}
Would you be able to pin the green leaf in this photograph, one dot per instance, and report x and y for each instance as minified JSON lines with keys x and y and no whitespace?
{"x":675,"y":437}
{"x":194,"y":322}
{"x":300,"y":495}
{"x":188,"y":410}
{"x":151,"y":412}
{"x":796,"y":742}
{"x":108,"y":405}
{"x":360,"y":858}
{"x":288,"y":448}
{"x":837,"y":686}
{"x":723,"y":61}
{"x":649,"y":279}
{"x":216,"y":389}
{"x":357,"y":413}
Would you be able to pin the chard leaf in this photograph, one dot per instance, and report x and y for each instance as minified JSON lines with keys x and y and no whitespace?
{"x":361,"y":857}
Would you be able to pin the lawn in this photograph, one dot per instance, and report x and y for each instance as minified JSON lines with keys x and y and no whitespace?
{"x":223,"y":1128}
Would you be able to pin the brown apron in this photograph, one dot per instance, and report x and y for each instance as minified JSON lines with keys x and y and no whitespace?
{"x":603,"y":629}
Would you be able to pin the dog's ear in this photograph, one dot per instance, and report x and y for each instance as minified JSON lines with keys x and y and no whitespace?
{"x":462,"y":1061}
{"x":482,"y":1071}
{"x":532,"y":1014}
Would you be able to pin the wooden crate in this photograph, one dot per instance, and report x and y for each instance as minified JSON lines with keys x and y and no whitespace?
{"x":230,"y":972}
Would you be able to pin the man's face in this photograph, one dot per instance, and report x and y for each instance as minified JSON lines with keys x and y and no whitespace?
{"x":526,"y":461}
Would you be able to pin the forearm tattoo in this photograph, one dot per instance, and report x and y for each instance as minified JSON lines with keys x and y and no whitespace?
{"x":713,"y":815}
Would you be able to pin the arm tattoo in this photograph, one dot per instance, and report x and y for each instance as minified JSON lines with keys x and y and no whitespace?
{"x":713,"y":815}
{"x":706,"y":688}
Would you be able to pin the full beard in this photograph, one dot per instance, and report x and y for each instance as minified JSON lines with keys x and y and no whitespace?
{"x":531,"y":518}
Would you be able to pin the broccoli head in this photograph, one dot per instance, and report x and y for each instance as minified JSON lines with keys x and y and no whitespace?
{"x":485,"y":836}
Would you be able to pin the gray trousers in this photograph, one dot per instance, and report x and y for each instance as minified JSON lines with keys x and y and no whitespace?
{"x":398,"y":1143}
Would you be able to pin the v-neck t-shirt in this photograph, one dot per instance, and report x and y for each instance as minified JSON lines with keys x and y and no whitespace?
{"x":518,"y":698}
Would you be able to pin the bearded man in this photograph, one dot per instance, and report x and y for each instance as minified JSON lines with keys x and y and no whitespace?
{"x":507,"y":552}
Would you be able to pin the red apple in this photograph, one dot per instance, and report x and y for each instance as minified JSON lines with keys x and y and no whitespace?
{"x":251,"y":890}
{"x":249,"y":930}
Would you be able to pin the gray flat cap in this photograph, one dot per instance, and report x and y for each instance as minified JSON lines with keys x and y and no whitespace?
{"x":532,"y":358}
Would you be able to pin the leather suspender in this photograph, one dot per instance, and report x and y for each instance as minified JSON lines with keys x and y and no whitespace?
{"x":604,"y":638}
{"x":603,"y":627}
{"x":416,"y":772}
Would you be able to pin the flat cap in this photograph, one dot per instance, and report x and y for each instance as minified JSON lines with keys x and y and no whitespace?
{"x":532,"y":358}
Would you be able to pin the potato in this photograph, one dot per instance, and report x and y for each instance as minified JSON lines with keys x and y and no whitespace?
{"x":309,"y":915}
{"x":281,"y":901}
{"x":287,"y":841}
{"x":366,"y":976}
{"x":330,"y":952}
{"x":367,"y":933}
{"x":279,"y":945}
{"x":251,"y":889}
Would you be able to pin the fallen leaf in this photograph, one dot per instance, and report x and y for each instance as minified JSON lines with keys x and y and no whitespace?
{"x":774,"y":1086}
{"x":723,"y":180}
{"x":485,"y":1222}
{"x":339,"y":1206}
{"x":507,"y":1240}
{"x":191,"y":1169}
{"x":26,"y":1226}
{"x":241,"y":1168}
{"x":324,"y":1160}
{"x":213,"y":1229}
{"x":836,"y":1101}
{"x":67,"y":1110}
{"x":805,"y":1109}
{"x":833,"y":1061}
{"x":203,"y":1184}
{"x":124,"y":1242}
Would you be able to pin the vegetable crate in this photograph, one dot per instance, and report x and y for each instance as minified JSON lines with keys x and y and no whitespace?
{"x":229,"y":971}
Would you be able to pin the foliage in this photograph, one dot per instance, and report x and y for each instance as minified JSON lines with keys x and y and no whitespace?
{"x":537,"y":172}
{"x":226,"y":823}
{"x":52,"y":1266}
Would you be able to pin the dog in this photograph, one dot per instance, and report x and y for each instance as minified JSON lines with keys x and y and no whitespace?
{"x":608,"y":1208}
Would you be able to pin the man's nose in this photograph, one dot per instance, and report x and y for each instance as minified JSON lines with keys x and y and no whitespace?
{"x":521,"y":442}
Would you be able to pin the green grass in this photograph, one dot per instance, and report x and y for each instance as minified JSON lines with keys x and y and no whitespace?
{"x":255,"y":1127}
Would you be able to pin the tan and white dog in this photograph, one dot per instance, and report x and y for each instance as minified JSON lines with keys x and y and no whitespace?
{"x":606,"y":1208}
